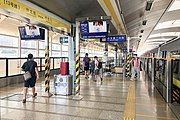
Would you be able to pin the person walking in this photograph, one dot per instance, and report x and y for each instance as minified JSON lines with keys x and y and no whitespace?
{"x":135,"y":63}
{"x":92,"y":68}
{"x":86,"y":62}
{"x":97,"y":69}
{"x":30,"y":66}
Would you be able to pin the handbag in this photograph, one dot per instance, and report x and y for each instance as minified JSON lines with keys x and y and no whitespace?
{"x":27,"y":75}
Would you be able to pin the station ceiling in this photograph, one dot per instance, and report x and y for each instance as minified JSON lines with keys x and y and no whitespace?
{"x":132,"y":13}
{"x":70,"y":9}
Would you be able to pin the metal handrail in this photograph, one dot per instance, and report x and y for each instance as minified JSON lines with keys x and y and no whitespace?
{"x":7,"y":65}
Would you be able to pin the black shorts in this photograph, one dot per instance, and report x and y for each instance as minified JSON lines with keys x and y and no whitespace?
{"x":96,"y":71}
{"x":30,"y":83}
{"x":86,"y":68}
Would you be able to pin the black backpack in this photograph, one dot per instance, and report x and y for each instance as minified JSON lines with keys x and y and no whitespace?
{"x":100,"y":65}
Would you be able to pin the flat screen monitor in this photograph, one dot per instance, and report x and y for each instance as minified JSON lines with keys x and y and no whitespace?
{"x":95,"y":29}
{"x":31,"y":33}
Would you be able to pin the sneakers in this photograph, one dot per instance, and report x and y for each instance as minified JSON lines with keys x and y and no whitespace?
{"x":35,"y":94}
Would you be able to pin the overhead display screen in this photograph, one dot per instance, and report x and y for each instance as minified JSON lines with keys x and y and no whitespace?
{"x":95,"y":29}
{"x":31,"y":33}
{"x":120,"y":38}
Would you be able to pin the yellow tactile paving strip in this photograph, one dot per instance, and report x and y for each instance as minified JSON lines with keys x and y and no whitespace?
{"x":106,"y":78}
{"x":129,"y":113}
{"x":157,"y":117}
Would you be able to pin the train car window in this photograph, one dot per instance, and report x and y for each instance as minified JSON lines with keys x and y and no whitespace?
{"x":176,"y":66}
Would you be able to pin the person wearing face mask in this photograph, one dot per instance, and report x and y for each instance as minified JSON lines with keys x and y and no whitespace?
{"x":135,"y":63}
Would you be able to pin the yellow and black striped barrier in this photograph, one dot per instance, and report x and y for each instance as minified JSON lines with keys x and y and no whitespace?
{"x":128,"y":67}
{"x":77,"y":82}
{"x":47,"y":71}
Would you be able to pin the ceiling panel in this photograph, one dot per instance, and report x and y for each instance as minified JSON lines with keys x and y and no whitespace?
{"x":134,"y":13}
{"x":70,"y":9}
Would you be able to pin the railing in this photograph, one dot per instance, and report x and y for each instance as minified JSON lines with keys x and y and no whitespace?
{"x":12,"y":66}
{"x":109,"y":62}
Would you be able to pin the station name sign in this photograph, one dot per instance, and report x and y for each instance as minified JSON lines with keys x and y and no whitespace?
{"x":119,"y":38}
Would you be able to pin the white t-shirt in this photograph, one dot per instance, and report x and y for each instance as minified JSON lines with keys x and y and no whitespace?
{"x":96,"y":64}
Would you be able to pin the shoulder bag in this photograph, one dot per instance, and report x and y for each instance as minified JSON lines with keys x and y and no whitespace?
{"x":27,"y":74}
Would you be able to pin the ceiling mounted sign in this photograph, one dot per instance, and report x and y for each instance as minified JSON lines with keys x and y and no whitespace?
{"x":119,"y":38}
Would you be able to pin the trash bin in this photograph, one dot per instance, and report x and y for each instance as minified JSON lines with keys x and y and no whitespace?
{"x":64,"y":68}
{"x":63,"y":84}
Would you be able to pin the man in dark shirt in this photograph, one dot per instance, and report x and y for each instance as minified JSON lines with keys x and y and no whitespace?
{"x":30,"y":66}
{"x":86,"y":62}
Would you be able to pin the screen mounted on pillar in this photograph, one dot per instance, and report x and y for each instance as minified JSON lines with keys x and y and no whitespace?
{"x":94,"y":29}
{"x":31,"y":33}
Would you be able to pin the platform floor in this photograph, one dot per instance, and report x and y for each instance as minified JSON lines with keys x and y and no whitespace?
{"x":112,"y":99}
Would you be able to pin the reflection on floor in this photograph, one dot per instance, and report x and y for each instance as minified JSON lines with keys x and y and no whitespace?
{"x":112,"y":99}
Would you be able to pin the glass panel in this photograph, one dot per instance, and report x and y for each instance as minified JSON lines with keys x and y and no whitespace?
{"x":41,"y":53}
{"x":14,"y":67}
{"x":57,"y":63}
{"x":43,"y":64}
{"x":8,"y":52}
{"x":3,"y":68}
{"x":82,"y":50}
{"x":56,"y":47}
{"x":41,"y":45}
{"x":64,"y":48}
{"x":64,"y":54}
{"x":56,"y":54}
{"x":25,"y":52}
{"x":28,"y":44}
{"x":38,"y":63}
{"x":8,"y":41}
{"x":51,"y":63}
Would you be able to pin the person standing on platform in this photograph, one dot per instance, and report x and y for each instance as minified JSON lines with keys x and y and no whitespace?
{"x":30,"y":66}
{"x":92,"y":67}
{"x":98,"y":67}
{"x":86,"y":62}
{"x":135,"y":63}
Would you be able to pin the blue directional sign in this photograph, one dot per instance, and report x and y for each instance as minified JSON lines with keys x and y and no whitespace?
{"x":125,"y":50}
{"x":63,"y":39}
{"x":119,"y":38}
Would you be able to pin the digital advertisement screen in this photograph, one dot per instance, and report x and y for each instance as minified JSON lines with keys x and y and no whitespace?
{"x":97,"y":26}
{"x":95,"y":29}
{"x":31,"y":33}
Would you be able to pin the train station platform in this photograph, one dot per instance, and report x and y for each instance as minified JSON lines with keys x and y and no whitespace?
{"x":111,"y":99}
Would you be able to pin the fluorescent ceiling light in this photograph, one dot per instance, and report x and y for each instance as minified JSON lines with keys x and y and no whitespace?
{"x":142,"y":31}
{"x":168,"y":24}
{"x":149,"y":5}
{"x":165,"y":34}
{"x":175,"y":5}
{"x":144,"y":22}
{"x":152,"y":43}
{"x":151,"y":40}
